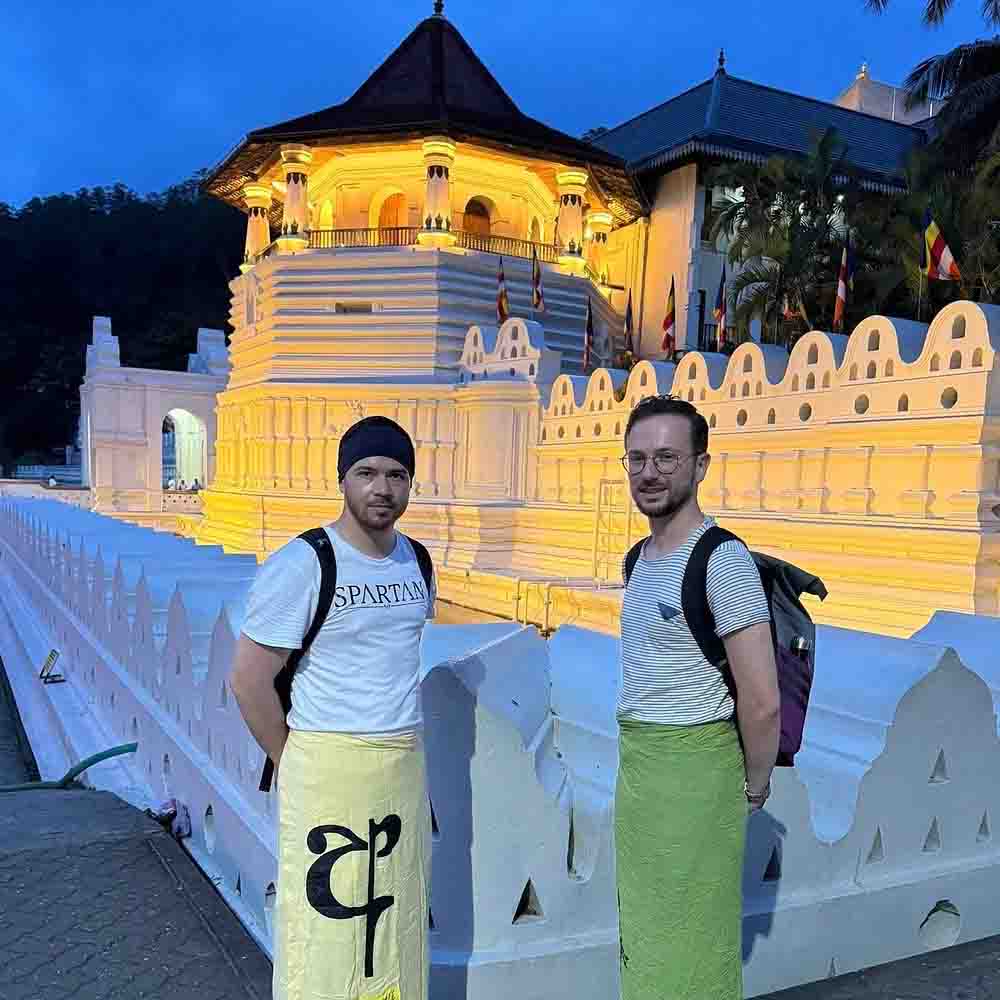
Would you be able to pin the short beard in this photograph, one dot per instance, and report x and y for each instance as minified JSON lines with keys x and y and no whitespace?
{"x":361,"y":514}
{"x":666,"y":508}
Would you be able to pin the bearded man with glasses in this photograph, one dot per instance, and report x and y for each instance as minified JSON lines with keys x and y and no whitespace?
{"x":691,"y":770}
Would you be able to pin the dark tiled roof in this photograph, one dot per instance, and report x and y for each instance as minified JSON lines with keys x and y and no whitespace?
{"x":432,"y":84}
{"x":737,"y":119}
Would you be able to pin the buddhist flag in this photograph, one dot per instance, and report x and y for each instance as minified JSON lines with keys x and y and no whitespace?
{"x":720,"y":310}
{"x":669,"y":322}
{"x":588,"y":339}
{"x":503,"y":304}
{"x":936,"y":259}
{"x":629,"y":346}
{"x":537,"y":295}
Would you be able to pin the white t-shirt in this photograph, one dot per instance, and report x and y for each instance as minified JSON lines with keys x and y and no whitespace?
{"x":361,"y":674}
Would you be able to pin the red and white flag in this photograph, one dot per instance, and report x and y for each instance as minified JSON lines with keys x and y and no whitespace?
{"x":503,"y":303}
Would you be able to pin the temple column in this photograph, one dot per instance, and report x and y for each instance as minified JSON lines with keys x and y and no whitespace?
{"x":572,"y":188}
{"x":598,"y":228}
{"x":258,"y":201}
{"x":439,"y":156}
{"x":296,"y":160}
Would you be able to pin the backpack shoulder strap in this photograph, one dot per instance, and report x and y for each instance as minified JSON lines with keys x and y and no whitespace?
{"x":424,"y":561}
{"x":632,"y":557}
{"x":694,"y":596}
{"x":320,"y":543}
{"x":323,"y":547}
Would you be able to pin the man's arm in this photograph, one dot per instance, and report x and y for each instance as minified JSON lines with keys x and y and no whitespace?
{"x":252,"y":682}
{"x":750,"y":652}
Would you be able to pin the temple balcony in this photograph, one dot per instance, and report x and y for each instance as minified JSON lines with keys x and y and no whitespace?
{"x":406,"y":236}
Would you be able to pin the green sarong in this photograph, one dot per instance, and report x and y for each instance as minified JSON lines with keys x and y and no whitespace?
{"x":680,"y":823}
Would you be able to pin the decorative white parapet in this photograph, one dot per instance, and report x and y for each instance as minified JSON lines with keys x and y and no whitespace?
{"x":887,"y":821}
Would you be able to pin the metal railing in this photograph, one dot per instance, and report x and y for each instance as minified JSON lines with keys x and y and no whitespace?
{"x":334,"y":239}
{"x":404,"y":236}
{"x":507,"y":246}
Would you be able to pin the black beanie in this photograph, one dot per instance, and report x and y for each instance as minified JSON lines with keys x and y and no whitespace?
{"x":375,"y":436}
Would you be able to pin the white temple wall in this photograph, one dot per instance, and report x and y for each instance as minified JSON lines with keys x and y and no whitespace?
{"x":887,"y":820}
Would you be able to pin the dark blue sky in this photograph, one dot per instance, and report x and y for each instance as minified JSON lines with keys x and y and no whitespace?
{"x":147,"y":93}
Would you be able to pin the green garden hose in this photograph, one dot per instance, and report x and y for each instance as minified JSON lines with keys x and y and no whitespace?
{"x":67,"y":779}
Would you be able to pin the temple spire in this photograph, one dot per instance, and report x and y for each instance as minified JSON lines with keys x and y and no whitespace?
{"x":722,"y":61}
{"x":439,"y":8}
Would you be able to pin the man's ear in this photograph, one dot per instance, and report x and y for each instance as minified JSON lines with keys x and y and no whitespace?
{"x":704,"y":461}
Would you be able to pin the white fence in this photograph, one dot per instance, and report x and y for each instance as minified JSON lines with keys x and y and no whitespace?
{"x":879,"y":844}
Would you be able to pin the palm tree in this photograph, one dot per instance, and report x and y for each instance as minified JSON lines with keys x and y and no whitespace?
{"x":786,"y":224}
{"x":967,"y":79}
{"x":935,"y":11}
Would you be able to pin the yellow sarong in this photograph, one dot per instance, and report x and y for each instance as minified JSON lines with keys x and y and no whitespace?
{"x":354,"y":836}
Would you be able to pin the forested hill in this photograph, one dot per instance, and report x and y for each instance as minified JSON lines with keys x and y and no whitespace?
{"x":158,"y":265}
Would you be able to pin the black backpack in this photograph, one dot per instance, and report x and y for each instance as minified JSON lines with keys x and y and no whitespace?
{"x":323,"y":547}
{"x":792,"y":629}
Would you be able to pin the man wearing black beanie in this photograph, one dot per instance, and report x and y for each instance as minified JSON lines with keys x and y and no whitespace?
{"x":354,"y":817}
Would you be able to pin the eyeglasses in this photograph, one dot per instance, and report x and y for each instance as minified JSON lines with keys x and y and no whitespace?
{"x":665,"y":463}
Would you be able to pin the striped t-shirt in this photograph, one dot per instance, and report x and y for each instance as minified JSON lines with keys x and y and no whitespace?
{"x":665,"y":678}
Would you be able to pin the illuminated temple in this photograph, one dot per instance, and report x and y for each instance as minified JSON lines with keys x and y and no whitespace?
{"x":375,"y":232}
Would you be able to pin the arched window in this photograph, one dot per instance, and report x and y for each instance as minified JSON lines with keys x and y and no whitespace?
{"x":810,"y":381}
{"x":813,"y":357}
{"x":477,"y":218}
{"x":392,"y":214}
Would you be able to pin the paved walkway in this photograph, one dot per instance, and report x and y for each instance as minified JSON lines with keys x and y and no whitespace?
{"x":965,"y":972}
{"x":101,"y":903}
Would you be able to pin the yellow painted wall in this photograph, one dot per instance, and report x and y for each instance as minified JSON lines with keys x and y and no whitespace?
{"x":897,"y":510}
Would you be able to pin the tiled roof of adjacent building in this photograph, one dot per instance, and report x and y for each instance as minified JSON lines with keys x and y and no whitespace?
{"x":730,"y":118}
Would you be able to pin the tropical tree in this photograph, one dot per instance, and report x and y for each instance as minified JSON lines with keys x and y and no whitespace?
{"x":936,"y":10}
{"x":785,"y":223}
{"x":966,"y":207}
{"x":967,"y":80}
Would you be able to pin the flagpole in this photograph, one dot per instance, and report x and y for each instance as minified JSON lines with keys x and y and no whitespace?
{"x":920,"y":293}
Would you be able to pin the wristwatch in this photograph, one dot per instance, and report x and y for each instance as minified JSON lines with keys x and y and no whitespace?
{"x":757,"y":798}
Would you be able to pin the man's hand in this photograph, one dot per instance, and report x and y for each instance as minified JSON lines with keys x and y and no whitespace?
{"x":750,"y":652}
{"x":252,"y":683}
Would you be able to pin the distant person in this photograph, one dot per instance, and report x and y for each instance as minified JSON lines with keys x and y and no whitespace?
{"x":350,"y":753}
{"x":182,"y":485}
{"x":53,"y":481}
{"x":195,"y":486}
{"x":171,"y":483}
{"x":690,"y":769}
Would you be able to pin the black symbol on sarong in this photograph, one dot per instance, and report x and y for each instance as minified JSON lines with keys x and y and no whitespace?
{"x":318,"y":891}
